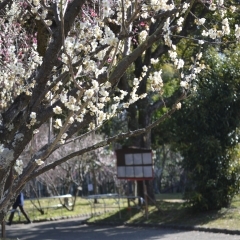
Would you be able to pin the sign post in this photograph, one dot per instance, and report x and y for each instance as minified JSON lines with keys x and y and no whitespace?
{"x":145,"y":198}
{"x":135,"y":164}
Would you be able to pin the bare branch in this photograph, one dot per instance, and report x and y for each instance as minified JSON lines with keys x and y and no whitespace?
{"x":107,"y":141}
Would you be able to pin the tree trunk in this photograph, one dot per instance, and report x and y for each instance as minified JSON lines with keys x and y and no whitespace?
{"x":3,"y":213}
{"x":3,"y":235}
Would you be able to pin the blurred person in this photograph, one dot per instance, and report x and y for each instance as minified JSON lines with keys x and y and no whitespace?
{"x":18,"y":203}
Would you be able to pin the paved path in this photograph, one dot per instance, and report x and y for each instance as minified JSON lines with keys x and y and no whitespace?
{"x":72,"y":229}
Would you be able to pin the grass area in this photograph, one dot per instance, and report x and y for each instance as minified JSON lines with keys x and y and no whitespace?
{"x":174,"y":212}
{"x":170,"y":210}
{"x":52,"y":211}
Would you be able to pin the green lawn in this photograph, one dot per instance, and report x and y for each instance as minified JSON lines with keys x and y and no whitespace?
{"x":51,"y":211}
{"x":170,"y":210}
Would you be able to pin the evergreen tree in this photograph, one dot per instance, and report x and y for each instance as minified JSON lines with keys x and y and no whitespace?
{"x":206,"y":132}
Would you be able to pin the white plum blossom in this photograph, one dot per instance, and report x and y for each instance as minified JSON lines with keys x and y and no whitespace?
{"x":143,"y":35}
{"x":39,"y":162}
{"x":212,"y":7}
{"x":71,"y":103}
{"x":63,"y":138}
{"x":186,"y":6}
{"x":58,"y":123}
{"x":154,"y":61}
{"x":79,"y":118}
{"x":166,"y":24}
{"x":233,"y":9}
{"x":33,"y":119}
{"x":48,"y":22}
{"x":95,"y":85}
{"x":126,"y":105}
{"x":33,"y":115}
{"x":180,"y":21}
{"x":71,"y":120}
{"x":101,"y":116}
{"x":237,"y":31}
{"x":100,"y":105}
{"x":212,"y":33}
{"x":199,"y":55}
{"x":89,"y":93}
{"x":91,"y":126}
{"x":35,"y":2}
{"x":106,"y":8}
{"x":145,"y":68}
{"x":200,"y":21}
{"x":57,"y":110}
{"x":180,"y":63}
{"x":18,"y":166}
{"x":205,"y":33}
{"x":156,"y":82}
{"x":167,"y":40}
{"x":35,"y":131}
{"x":63,"y":97}
{"x":225,"y":26}
{"x":178,"y":106}
{"x":172,"y":54}
{"x":184,"y":84}
{"x":220,"y":2}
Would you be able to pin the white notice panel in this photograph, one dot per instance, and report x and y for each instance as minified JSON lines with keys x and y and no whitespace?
{"x":147,"y":158}
{"x":130,"y":172}
{"x":137,"y":158}
{"x":129,"y":159}
{"x":138,"y":171}
{"x":147,"y":171}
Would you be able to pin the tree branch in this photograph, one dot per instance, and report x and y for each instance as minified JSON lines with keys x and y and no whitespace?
{"x":106,"y":142}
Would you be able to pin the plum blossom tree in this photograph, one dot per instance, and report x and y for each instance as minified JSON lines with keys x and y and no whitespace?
{"x":63,"y":60}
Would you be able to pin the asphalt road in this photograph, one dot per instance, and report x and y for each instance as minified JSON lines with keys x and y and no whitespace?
{"x":73,"y":229}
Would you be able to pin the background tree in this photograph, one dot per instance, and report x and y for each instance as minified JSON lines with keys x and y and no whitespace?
{"x":142,"y":112}
{"x":206,"y":132}
{"x":168,"y":172}
{"x":71,"y":176}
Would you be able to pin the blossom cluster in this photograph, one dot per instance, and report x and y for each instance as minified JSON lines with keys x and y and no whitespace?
{"x":92,"y":33}
{"x":214,"y":31}
{"x":18,"y":167}
{"x":33,"y":119}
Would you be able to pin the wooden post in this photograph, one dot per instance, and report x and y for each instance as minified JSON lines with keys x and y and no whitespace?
{"x":145,"y":198}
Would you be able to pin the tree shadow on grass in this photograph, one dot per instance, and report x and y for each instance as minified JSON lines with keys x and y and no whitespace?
{"x":174,"y":213}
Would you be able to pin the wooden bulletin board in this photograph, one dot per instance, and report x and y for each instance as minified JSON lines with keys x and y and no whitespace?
{"x":134,"y":163}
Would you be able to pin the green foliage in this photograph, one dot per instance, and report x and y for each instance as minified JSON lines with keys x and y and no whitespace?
{"x":205,"y":131}
{"x":171,"y":82}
